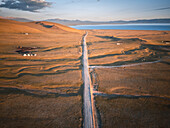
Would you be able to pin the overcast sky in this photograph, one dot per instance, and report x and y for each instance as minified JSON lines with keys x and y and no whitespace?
{"x":96,"y":10}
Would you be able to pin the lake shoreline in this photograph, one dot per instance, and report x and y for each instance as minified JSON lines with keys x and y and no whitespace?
{"x":143,"y":26}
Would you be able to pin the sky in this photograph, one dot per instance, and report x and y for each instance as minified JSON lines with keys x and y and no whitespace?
{"x":93,"y":10}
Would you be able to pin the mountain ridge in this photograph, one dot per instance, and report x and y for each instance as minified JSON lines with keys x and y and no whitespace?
{"x":79,"y":22}
{"x":86,"y":22}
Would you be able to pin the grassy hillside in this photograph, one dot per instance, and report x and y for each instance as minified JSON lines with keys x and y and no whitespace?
{"x":10,"y":26}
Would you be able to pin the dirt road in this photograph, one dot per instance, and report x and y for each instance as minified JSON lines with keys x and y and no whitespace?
{"x":88,"y":96}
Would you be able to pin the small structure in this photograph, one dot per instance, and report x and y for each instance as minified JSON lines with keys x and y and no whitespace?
{"x":118,"y":43}
{"x":25,"y":54}
{"x":27,"y":51}
{"x":166,"y":42}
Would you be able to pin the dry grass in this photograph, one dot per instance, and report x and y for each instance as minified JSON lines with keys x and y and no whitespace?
{"x":128,"y":101}
{"x":59,"y":55}
{"x":32,"y":111}
{"x":150,"y":79}
{"x":43,"y":90}
{"x":133,"y":113}
{"x":114,"y":47}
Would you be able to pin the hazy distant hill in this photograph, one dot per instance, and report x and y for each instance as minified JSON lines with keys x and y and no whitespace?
{"x":21,"y":19}
{"x":16,"y":19}
{"x":79,"y":22}
{"x":146,"y":21}
{"x":70,"y":22}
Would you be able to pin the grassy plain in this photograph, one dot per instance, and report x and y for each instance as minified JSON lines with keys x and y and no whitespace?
{"x":43,"y":90}
{"x":46,"y":90}
{"x":136,"y":93}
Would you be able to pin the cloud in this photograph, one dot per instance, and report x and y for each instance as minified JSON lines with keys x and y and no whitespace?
{"x":25,"y":5}
{"x":163,"y":8}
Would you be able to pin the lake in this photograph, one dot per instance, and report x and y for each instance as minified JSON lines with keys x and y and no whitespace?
{"x":125,"y":26}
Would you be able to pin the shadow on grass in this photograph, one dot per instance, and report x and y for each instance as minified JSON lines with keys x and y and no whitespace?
{"x":160,"y":52}
{"x":41,"y":60}
{"x":63,"y":47}
{"x":115,"y":96}
{"x":112,"y":38}
{"x":8,"y":90}
{"x":45,"y":25}
{"x":39,"y":74}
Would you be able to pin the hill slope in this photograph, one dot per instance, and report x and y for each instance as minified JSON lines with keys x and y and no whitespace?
{"x":55,"y":26}
{"x":10,"y":26}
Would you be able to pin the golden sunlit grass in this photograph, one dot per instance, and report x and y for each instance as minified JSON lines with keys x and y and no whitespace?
{"x":152,"y":79}
{"x":129,"y":91}
{"x":42,"y":90}
{"x":113,"y":46}
{"x":45,"y":90}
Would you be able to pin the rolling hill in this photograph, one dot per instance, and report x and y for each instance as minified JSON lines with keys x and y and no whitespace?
{"x":11,"y":26}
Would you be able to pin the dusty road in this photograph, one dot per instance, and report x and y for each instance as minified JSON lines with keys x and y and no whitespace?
{"x":88,"y":96}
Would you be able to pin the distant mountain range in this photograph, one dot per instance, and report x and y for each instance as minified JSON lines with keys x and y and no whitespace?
{"x":79,"y":22}
{"x":22,"y":19}
{"x":17,"y":19}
